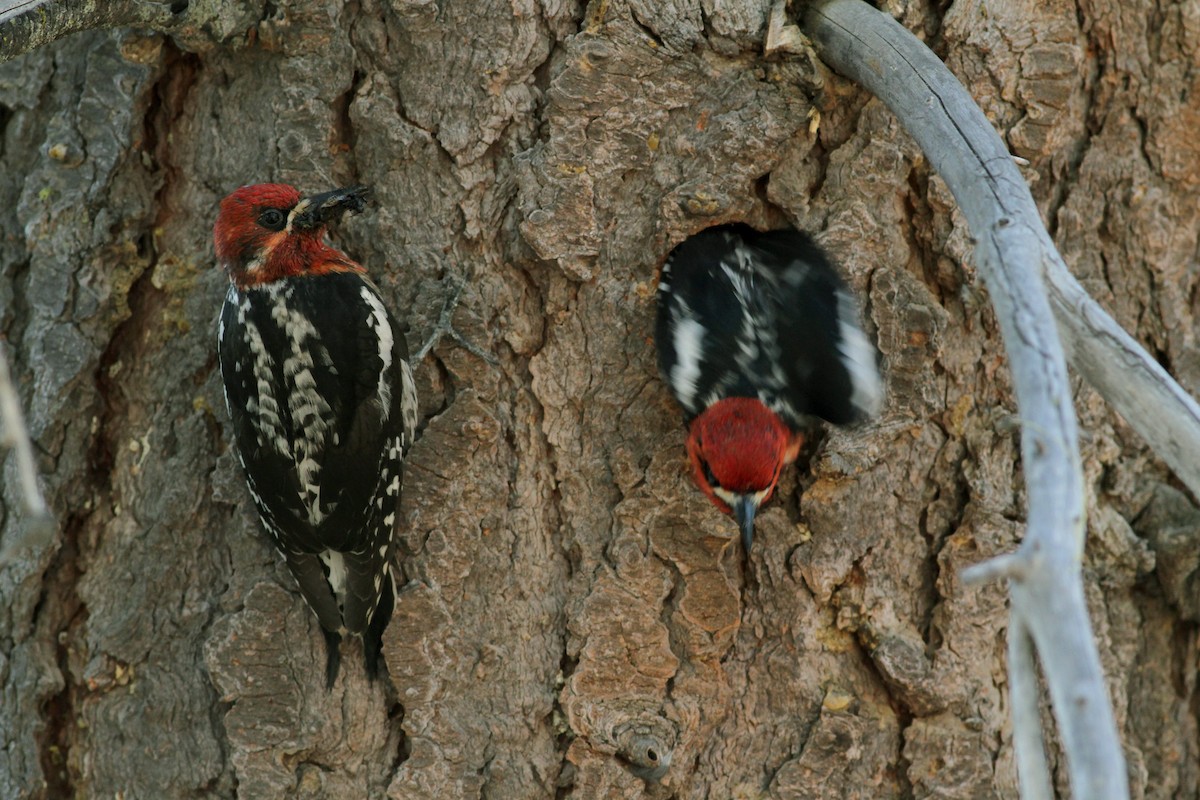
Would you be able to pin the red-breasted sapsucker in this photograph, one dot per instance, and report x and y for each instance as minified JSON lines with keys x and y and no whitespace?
{"x":324,"y":408}
{"x":757,"y":334}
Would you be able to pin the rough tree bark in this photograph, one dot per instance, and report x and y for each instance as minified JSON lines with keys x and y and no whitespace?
{"x":570,"y":600}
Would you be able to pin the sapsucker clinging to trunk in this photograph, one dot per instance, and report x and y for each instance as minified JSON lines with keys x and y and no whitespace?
{"x":757,"y":334}
{"x":318,"y":385}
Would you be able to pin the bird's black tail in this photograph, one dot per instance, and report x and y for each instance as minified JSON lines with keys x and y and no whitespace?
{"x":333,"y":657}
{"x":373,"y":636}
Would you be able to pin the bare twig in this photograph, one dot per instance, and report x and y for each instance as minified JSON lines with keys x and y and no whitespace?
{"x":27,"y":24}
{"x":40,"y":525}
{"x":1032,"y":771}
{"x":445,"y":327}
{"x":1013,"y":250}
{"x":1126,"y":376}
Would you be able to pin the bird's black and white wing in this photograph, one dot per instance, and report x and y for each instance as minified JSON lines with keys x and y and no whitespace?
{"x":749,"y":314}
{"x":323,"y":405}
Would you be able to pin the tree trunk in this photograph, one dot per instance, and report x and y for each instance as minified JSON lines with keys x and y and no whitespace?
{"x":573,"y":612}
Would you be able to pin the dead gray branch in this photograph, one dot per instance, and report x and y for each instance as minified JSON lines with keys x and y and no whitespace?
{"x":39,"y":525}
{"x":1126,"y":376}
{"x":28,"y":24}
{"x":1013,"y":251}
{"x":1033,"y":772}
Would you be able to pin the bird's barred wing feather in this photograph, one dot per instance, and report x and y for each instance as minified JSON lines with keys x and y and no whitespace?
{"x":323,"y":407}
{"x":766,"y":315}
{"x":694,"y":322}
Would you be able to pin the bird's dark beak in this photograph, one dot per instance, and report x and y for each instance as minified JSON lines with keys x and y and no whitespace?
{"x":320,"y":210}
{"x":743,"y":512}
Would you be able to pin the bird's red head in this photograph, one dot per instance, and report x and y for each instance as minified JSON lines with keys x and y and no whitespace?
{"x":738,"y":447}
{"x":269,"y":231}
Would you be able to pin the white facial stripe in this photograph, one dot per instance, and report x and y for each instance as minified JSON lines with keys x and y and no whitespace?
{"x":256,"y":262}
{"x":299,"y":208}
{"x":731,"y":499}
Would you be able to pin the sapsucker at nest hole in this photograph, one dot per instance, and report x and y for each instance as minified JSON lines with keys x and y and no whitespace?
{"x":757,"y":334}
{"x":324,"y":408}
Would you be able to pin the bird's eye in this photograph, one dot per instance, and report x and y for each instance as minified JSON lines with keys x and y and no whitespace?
{"x":272,"y":219}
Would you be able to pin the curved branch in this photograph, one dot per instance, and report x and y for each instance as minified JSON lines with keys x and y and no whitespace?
{"x":1127,"y":377}
{"x":1032,"y":771}
{"x":28,"y":24}
{"x":1012,"y":250}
